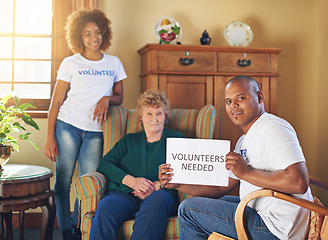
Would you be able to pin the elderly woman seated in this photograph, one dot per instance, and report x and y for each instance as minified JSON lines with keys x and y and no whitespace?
{"x":131,"y":166}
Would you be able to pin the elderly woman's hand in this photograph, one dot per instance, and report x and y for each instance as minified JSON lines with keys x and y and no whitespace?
{"x":139,"y":184}
{"x":144,"y":185}
{"x":165,"y":176}
{"x":141,"y":195}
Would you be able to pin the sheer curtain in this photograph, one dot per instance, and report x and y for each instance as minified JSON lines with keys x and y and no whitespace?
{"x":81,"y":4}
{"x":61,"y":10}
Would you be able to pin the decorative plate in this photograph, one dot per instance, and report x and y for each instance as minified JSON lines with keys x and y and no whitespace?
{"x":168,"y":31}
{"x":238,"y":33}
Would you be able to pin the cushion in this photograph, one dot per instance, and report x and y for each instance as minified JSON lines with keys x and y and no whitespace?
{"x":114,"y":126}
{"x":133,"y":125}
{"x":206,"y":115}
{"x":316,"y":221}
{"x":183,"y":120}
{"x":324,"y":229}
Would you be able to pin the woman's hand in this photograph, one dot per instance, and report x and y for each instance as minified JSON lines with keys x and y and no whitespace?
{"x":139,"y":185}
{"x":143,"y":185}
{"x":51,"y":149}
{"x":165,"y":176}
{"x":100,"y":113}
{"x":143,"y":195}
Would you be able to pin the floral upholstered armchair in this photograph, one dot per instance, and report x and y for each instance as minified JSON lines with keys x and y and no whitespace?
{"x":92,"y":186}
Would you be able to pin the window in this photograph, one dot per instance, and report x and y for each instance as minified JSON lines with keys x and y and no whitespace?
{"x":30,"y":33}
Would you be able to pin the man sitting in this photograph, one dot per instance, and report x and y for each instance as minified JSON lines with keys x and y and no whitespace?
{"x":267,"y":155}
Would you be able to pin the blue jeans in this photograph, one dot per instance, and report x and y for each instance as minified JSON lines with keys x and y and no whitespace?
{"x":74,"y":145}
{"x":199,"y":217}
{"x":150,"y":215}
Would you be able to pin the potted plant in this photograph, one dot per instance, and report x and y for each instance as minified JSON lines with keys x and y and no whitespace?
{"x":14,"y":119}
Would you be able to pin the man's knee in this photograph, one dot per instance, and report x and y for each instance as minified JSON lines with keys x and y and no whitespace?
{"x":188,"y":203}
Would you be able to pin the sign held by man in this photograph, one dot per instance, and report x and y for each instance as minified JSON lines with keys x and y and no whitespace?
{"x":198,"y":161}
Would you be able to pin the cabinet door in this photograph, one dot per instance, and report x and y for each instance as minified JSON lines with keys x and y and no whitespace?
{"x":187,"y":91}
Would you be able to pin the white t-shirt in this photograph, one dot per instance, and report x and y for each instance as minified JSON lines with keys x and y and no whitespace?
{"x":89,"y":82}
{"x":271,"y":144}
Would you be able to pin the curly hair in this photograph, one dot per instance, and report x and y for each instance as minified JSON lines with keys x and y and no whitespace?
{"x":152,"y":98}
{"x":77,"y":21}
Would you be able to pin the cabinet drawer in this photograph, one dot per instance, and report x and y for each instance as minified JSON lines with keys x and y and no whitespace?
{"x":202,"y":61}
{"x":258,"y":62}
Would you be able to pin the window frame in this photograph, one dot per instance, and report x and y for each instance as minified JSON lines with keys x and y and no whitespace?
{"x":59,"y":51}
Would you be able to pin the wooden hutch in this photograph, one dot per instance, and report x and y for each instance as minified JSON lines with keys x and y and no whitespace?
{"x":196,"y":75}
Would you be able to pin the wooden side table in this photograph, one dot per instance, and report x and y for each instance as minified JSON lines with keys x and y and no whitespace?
{"x":23,"y":187}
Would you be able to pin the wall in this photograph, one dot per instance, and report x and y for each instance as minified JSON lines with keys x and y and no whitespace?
{"x":291,"y":25}
{"x":322,"y":119}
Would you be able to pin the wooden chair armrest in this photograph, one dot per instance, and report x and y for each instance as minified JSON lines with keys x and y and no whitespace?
{"x":239,"y":215}
{"x":90,"y":184}
{"x":217,"y":236}
{"x":319,"y":182}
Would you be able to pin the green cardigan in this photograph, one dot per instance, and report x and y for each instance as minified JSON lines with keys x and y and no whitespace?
{"x":128,"y":156}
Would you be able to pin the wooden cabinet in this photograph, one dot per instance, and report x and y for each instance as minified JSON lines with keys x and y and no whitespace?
{"x":195,"y":75}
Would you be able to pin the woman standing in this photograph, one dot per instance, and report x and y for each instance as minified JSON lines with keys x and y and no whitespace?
{"x":74,"y":125}
{"x":131,"y":166}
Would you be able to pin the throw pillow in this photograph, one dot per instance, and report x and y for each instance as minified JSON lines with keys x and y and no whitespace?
{"x":316,"y":220}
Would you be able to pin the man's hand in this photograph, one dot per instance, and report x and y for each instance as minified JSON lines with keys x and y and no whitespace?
{"x":165,"y":176}
{"x":236,"y":163}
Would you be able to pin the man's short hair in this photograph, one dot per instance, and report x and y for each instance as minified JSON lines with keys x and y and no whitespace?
{"x":252,"y":81}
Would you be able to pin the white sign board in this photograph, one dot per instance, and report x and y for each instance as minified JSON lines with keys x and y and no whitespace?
{"x":198,"y":161}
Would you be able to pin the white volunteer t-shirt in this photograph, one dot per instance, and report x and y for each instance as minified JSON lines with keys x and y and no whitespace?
{"x":89,"y":82}
{"x":271,"y":144}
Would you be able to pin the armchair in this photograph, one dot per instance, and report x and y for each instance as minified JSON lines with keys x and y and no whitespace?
{"x":92,"y":186}
{"x":319,"y":213}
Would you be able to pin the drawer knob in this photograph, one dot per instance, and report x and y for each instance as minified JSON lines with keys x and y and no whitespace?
{"x":244,"y":62}
{"x":186,"y":61}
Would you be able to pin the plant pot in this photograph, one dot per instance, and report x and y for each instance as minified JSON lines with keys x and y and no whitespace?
{"x":5,"y":152}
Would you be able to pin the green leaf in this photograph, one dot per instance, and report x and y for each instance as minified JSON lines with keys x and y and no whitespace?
{"x":25,"y":106}
{"x":2,"y":137}
{"x":24,"y":136}
{"x":11,"y":118}
{"x":175,"y":29}
{"x":16,"y":98}
{"x":162,"y":31}
{"x":5,"y":99}
{"x":30,"y":121}
{"x":33,"y":144}
{"x":14,"y":143}
{"x":6,"y":130}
